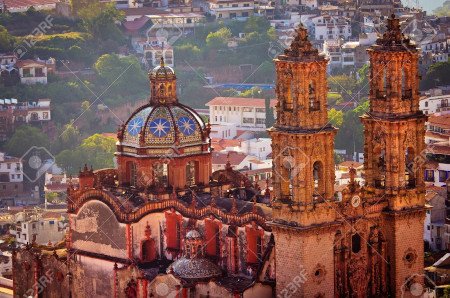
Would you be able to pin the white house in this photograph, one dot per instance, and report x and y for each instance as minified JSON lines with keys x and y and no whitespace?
{"x":8,"y":59}
{"x":39,"y":228}
{"x":231,"y":9}
{"x":38,"y":110}
{"x":153,"y":48}
{"x":11,"y":175}
{"x":327,"y":27}
{"x":246,"y":113}
{"x":34,"y":71}
{"x":434,"y":104}
{"x":224,"y":131}
{"x":260,"y":147}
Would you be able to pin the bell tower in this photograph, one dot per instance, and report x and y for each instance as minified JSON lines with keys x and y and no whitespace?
{"x":303,"y":169}
{"x":303,"y":140}
{"x":394,"y":152}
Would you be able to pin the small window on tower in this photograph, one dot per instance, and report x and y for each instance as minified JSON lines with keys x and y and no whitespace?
{"x":356,"y":243}
{"x":314,"y":104}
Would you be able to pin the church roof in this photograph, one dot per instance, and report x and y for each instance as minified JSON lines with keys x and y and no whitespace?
{"x":163,"y":126}
{"x":195,"y":268}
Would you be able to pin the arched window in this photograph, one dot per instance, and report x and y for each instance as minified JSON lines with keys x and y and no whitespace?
{"x":287,"y":179}
{"x":191,"y":173}
{"x":160,"y":174}
{"x":356,"y":243}
{"x":319,"y":186}
{"x":410,"y":168}
{"x":381,"y":168}
{"x":289,"y":97}
{"x":314,"y":104}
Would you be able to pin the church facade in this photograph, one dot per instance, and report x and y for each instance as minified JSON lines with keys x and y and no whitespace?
{"x":163,"y":225}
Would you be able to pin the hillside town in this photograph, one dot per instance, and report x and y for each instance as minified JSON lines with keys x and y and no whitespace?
{"x":224,"y":148}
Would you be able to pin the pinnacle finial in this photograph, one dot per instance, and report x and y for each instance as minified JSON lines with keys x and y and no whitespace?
{"x":301,"y":46}
{"x":161,"y":63}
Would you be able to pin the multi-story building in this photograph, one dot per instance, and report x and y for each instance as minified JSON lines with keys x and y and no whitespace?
{"x":35,"y":71}
{"x":231,"y":9}
{"x":327,"y":27}
{"x":14,"y":113}
{"x":8,"y":59}
{"x":437,"y":154}
{"x":246,"y":113}
{"x":41,"y":228}
{"x":11,"y":176}
{"x":435,"y":104}
{"x":378,"y":7}
{"x":153,"y":49}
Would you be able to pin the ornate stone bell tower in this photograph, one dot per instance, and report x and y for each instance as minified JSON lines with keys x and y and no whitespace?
{"x":394,"y":152}
{"x":303,"y":169}
{"x":303,"y":140}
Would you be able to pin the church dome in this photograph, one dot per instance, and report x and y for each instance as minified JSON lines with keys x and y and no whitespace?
{"x":170,"y":126}
{"x":164,"y":123}
{"x":194,"y":269}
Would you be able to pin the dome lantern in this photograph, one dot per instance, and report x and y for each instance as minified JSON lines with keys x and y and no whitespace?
{"x":164,"y":145}
{"x":163,"y":85}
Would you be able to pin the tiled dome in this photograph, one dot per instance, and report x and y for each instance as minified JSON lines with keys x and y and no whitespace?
{"x":163,"y":126}
{"x":196,"y":268}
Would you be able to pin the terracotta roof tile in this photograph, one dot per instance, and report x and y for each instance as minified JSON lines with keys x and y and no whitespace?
{"x":440,"y":120}
{"x":234,"y":157}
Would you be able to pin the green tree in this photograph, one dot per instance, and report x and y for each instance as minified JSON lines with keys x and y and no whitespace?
{"x":342,"y":83}
{"x":96,"y":150}
{"x":24,"y":138}
{"x":350,"y":134}
{"x":188,"y":52}
{"x":6,"y":40}
{"x":437,"y":74}
{"x":336,"y":117}
{"x":121,"y":77}
{"x":69,"y":138}
{"x":444,"y":10}
{"x":101,"y":21}
{"x":256,"y":24}
{"x":218,"y":39}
